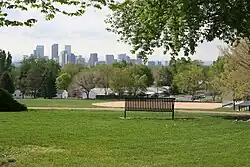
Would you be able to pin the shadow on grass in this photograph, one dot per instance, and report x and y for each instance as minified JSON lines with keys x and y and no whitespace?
{"x":233,"y":117}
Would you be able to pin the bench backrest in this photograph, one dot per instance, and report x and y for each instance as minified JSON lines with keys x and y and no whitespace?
{"x":150,"y":104}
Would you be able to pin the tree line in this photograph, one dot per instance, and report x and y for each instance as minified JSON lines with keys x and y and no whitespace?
{"x":228,"y":75}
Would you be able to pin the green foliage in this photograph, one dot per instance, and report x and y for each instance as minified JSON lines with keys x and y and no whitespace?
{"x":8,"y":103}
{"x":190,"y":80}
{"x":103,"y":73}
{"x":136,"y":83}
{"x":38,"y":77}
{"x":5,"y":61}
{"x":162,"y":76}
{"x":48,"y":8}
{"x":178,"y":24}
{"x":122,"y":64}
{"x":63,"y":81}
{"x":6,"y":82}
{"x":119,"y":80}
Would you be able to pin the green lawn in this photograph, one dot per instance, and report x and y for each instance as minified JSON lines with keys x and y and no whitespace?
{"x":103,"y":139}
{"x":59,"y":103}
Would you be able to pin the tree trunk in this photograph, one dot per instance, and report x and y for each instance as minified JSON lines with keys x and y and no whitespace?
{"x":87,"y":94}
{"x":214,"y":96}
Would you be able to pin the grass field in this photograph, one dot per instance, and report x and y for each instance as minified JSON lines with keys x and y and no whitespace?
{"x":103,"y":139}
{"x":59,"y":103}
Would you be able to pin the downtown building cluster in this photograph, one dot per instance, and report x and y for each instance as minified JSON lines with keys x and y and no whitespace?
{"x":66,"y":56}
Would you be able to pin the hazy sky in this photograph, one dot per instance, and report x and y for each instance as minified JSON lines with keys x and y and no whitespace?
{"x":86,"y":34}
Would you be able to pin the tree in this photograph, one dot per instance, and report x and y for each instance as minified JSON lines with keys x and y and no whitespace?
{"x":190,"y":80}
{"x":162,"y":76}
{"x":178,"y":24}
{"x":72,"y":69}
{"x":6,"y":82}
{"x":103,"y":72}
{"x":119,"y":80}
{"x":86,"y":80}
{"x":5,"y":61}
{"x":136,"y":83}
{"x":63,"y":81}
{"x":214,"y":77}
{"x":22,"y":84}
{"x":48,"y":8}
{"x":35,"y":78}
{"x":122,"y":64}
{"x":49,"y":88}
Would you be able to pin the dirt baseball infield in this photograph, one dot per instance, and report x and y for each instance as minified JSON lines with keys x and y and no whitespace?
{"x":178,"y":105}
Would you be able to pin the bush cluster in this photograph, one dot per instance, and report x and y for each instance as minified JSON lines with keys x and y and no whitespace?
{"x":8,"y":103}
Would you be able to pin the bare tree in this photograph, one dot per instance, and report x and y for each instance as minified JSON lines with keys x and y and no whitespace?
{"x":86,"y":81}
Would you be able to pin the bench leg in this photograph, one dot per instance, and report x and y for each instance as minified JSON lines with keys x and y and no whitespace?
{"x":173,"y":115}
{"x":125,"y":114}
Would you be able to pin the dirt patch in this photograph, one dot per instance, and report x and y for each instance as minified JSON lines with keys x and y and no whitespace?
{"x":178,"y":105}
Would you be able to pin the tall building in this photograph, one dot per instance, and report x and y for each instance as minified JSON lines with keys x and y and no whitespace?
{"x":93,"y":59}
{"x":122,"y":57}
{"x":151,"y":63}
{"x":39,"y":51}
{"x":138,"y":60}
{"x":110,"y":59}
{"x":62,"y":58}
{"x":54,"y":52}
{"x":80,"y":60}
{"x":133,"y":61}
{"x":68,"y":50}
{"x":73,"y":58}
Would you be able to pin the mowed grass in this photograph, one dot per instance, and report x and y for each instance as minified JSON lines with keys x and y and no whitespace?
{"x":103,"y":139}
{"x":73,"y":103}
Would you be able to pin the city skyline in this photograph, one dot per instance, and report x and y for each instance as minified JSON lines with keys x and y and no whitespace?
{"x":92,"y":37}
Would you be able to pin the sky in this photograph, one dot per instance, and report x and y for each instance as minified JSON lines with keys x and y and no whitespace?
{"x":87,"y":34}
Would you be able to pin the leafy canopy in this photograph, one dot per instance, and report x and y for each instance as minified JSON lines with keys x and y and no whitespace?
{"x":49,"y":8}
{"x":178,"y":24}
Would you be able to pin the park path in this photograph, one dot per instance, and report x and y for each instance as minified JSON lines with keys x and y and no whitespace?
{"x":121,"y":109}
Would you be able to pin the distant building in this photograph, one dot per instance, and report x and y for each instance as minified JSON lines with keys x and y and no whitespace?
{"x":39,"y":52}
{"x":54,"y":52}
{"x":122,"y":57}
{"x":80,"y":60}
{"x":110,"y":59}
{"x":68,"y":50}
{"x":138,"y":60}
{"x":63,"y":58}
{"x":133,"y":61}
{"x":158,"y":63}
{"x":73,"y":58}
{"x":100,"y":62}
{"x":46,"y":57}
{"x":151,"y":63}
{"x":166,"y":63}
{"x":93,"y":59}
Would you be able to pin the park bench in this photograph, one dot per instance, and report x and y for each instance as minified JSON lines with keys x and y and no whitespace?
{"x":150,"y":105}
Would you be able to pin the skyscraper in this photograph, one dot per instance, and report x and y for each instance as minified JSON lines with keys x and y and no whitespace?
{"x":110,"y":59}
{"x":54,"y":52}
{"x":122,"y":57}
{"x":63,"y":58}
{"x":68,"y":50}
{"x":80,"y":60}
{"x":93,"y":59}
{"x":39,"y":51}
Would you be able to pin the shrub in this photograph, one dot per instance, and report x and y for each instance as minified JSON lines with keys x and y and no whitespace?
{"x":7,"y":103}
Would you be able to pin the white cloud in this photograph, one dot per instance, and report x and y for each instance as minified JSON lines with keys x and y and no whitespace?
{"x":86,"y":34}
